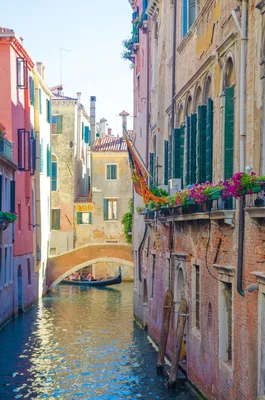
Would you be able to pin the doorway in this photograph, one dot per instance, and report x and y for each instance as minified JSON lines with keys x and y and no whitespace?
{"x":20,"y":289}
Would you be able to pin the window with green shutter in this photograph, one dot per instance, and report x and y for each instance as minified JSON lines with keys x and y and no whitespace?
{"x":54,"y":175}
{"x":170,"y":140}
{"x":57,"y":124}
{"x":49,"y":160}
{"x":31,"y":91}
{"x":201,"y":145}
{"x":87,"y":135}
{"x":192,"y":160}
{"x":41,"y":156}
{"x":178,"y":153}
{"x":84,"y":218}
{"x":48,"y":110}
{"x":165,"y":162}
{"x":229,"y":133}
{"x":12,"y":196}
{"x":187,"y":150}
{"x":151,"y":177}
{"x":110,"y":209}
{"x":209,"y":142}
{"x":112,"y":172}
{"x":56,"y":219}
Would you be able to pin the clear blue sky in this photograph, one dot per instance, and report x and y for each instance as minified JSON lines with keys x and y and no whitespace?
{"x":93,"y":30}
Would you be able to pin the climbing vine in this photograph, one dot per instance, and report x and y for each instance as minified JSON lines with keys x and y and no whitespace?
{"x":127,"y":223}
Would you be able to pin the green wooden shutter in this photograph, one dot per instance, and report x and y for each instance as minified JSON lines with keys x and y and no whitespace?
{"x":41,"y":156}
{"x":114,"y":172}
{"x":12,"y":196}
{"x":187,"y":151}
{"x":58,"y":220}
{"x":181,"y":141}
{"x":193,"y":133}
{"x":87,"y":135}
{"x":59,"y":127}
{"x":165,"y":162}
{"x":90,"y":218}
{"x":170,"y":140}
{"x":79,"y":218}
{"x":229,"y":133}
{"x":201,"y":145}
{"x":105,"y":204}
{"x":209,"y":142}
{"x":48,"y":111}
{"x":1,"y":192}
{"x":48,"y":156}
{"x":54,"y":176}
{"x":178,"y":153}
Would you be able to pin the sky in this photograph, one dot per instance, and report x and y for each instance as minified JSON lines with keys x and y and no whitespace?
{"x":93,"y":31}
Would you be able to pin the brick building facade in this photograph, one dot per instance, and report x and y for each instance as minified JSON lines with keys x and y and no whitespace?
{"x":195,"y":252}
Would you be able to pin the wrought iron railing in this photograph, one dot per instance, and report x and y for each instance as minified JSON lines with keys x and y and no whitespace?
{"x":6,"y":148}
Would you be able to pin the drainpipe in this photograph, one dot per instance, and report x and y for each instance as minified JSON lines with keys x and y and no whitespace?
{"x":147,"y":95}
{"x":242,"y":27}
{"x":174,"y":68}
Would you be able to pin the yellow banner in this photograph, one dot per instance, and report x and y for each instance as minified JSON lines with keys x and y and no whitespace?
{"x":84,"y":207}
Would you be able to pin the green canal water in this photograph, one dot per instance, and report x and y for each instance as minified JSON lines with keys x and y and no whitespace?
{"x":81,"y":343}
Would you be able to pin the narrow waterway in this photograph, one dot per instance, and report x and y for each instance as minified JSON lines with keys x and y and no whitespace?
{"x":80,"y":343}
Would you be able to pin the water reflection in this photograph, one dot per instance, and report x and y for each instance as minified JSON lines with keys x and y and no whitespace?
{"x":80,"y":343}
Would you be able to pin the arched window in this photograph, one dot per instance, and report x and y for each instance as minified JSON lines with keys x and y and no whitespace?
{"x":229,"y":116}
{"x":54,"y":173}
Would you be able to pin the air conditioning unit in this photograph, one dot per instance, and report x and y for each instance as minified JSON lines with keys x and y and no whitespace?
{"x":174,"y":186}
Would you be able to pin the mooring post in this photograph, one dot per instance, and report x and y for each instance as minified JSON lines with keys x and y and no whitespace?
{"x":164,"y":331}
{"x":182,"y":315}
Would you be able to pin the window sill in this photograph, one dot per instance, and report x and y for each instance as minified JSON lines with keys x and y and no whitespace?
{"x":111,"y":180}
{"x":226,"y":368}
{"x":111,"y":220}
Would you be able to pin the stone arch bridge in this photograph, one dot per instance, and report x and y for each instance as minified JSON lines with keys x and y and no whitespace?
{"x":61,"y":266}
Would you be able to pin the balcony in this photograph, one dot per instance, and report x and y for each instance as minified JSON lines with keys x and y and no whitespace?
{"x":255,"y":205}
{"x":6,"y":149}
{"x":219,"y":210}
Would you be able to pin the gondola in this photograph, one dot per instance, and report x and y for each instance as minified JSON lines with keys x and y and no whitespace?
{"x":100,"y":283}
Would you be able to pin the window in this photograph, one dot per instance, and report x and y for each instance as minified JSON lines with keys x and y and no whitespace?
{"x":54,"y":173}
{"x":49,"y":159}
{"x":178,"y":152}
{"x":229,"y":133}
{"x":0,"y":267}
{"x":110,"y":209}
{"x":12,"y":196}
{"x":189,"y":13}
{"x":197,"y":296}
{"x":112,"y":172}
{"x":87,"y":135}
{"x":6,"y":203}
{"x":153,"y":274}
{"x":57,"y":124}
{"x":31,"y":91}
{"x":152,"y":170}
{"x":56,"y":219}
{"x":48,"y":109}
{"x":22,"y":70}
{"x":84,"y":218}
{"x":10,"y":264}
{"x":6,"y":268}
{"x":19,"y":216}
{"x":29,"y":271}
{"x":26,"y":151}
{"x":226,"y":321}
{"x":40,"y":101}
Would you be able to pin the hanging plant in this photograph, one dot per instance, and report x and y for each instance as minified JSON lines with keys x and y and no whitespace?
{"x":127,"y":223}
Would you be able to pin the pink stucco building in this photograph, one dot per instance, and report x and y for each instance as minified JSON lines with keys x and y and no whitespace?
{"x":15,"y":114}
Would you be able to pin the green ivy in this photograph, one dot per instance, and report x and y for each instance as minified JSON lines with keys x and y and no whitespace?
{"x":127,"y":223}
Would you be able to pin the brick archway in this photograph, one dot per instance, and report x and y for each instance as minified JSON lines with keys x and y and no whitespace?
{"x":61,"y":266}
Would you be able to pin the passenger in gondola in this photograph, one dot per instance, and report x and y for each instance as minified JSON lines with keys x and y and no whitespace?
{"x":89,"y":276}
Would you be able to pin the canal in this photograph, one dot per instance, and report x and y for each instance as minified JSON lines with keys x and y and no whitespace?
{"x":80,"y":343}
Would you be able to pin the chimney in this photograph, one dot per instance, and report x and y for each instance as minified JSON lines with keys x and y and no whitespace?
{"x":21,"y":39}
{"x":40,"y":69}
{"x":109,"y":131}
{"x":78,"y":94}
{"x":124,"y":116}
{"x":93,"y":100}
{"x":102,"y":126}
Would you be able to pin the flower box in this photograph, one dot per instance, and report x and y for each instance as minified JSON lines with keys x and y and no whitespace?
{"x":256,"y":189}
{"x":190,"y":202}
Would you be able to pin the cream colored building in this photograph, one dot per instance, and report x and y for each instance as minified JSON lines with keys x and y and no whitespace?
{"x":69,"y":167}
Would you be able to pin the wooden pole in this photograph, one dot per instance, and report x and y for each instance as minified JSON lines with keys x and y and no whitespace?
{"x":164,"y":331}
{"x":178,"y":344}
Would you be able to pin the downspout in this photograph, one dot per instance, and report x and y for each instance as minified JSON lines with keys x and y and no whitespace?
{"x":243,"y":33}
{"x":174,"y":69}
{"x":147,"y":95}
